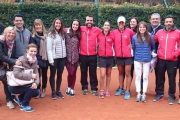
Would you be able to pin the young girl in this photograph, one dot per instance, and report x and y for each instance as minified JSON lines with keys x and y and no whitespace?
{"x":29,"y":61}
{"x":72,"y":36}
{"x":143,"y":45}
{"x":56,"y":51}
{"x":39,"y":33}
{"x":124,"y":58}
{"x":106,"y":58}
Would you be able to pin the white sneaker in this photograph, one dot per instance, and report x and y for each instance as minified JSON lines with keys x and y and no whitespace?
{"x":72,"y":93}
{"x":10,"y":105}
{"x":43,"y":94}
{"x":68,"y":91}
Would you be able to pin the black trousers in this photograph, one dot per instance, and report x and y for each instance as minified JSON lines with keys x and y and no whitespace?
{"x":171,"y":67}
{"x":59,"y":67}
{"x":91,"y":62}
{"x":9,"y":97}
{"x":42,"y":76}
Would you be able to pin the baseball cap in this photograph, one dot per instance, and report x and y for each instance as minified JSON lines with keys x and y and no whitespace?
{"x":121,"y":19}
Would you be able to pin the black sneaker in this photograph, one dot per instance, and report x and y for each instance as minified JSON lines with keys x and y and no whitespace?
{"x":59,"y":94}
{"x":54,"y":97}
{"x":171,"y":100}
{"x":158,"y":98}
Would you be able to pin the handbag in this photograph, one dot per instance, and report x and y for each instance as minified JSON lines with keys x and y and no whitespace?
{"x":3,"y":74}
{"x":12,"y":81}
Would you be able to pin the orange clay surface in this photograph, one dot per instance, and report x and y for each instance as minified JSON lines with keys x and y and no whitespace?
{"x":89,"y":107}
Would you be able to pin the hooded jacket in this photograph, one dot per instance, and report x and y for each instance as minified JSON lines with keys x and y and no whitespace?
{"x":21,"y":41}
{"x":169,"y":44}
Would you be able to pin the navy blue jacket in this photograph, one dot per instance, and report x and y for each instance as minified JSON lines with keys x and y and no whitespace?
{"x":142,"y":52}
{"x":42,"y":63}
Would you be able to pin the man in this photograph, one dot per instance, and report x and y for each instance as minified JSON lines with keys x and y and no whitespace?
{"x":168,"y":51}
{"x":23,"y":35}
{"x":1,"y":28}
{"x":153,"y":28}
{"x":88,"y":55}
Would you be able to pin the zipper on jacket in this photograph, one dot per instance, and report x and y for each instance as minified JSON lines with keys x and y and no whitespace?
{"x":105,"y":45}
{"x":121,"y":44}
{"x":62,"y":47}
{"x":87,"y":42}
{"x":166,"y":45}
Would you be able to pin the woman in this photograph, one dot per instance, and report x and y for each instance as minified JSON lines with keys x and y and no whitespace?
{"x":7,"y":48}
{"x":124,"y":57}
{"x":56,"y":50}
{"x":39,"y":34}
{"x":72,"y":36}
{"x":106,"y":58}
{"x":29,"y":61}
{"x":133,"y":26}
{"x":143,"y":45}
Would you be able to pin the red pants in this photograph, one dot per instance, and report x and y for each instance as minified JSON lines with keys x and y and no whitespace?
{"x":71,"y":68}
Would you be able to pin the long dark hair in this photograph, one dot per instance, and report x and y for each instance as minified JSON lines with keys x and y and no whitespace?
{"x":146,"y":34}
{"x":135,"y":29}
{"x":78,"y":32}
{"x":52,"y":29}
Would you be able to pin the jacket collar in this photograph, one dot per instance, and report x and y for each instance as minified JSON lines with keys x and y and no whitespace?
{"x":107,"y":34}
{"x":173,"y":28}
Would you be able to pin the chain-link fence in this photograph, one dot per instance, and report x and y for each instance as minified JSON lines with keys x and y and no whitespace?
{"x":77,"y":2}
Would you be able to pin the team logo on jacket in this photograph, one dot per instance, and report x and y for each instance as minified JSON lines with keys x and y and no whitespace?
{"x":84,"y":33}
{"x":27,"y":38}
{"x":125,"y":36}
{"x":161,"y":38}
{"x":109,"y":40}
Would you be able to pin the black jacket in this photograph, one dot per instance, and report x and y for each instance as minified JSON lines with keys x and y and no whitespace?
{"x":4,"y":54}
{"x":150,"y":30}
{"x":42,"y":63}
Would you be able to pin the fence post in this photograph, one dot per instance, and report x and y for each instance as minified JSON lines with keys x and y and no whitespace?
{"x":20,"y":6}
{"x":96,"y":13}
{"x":165,"y":4}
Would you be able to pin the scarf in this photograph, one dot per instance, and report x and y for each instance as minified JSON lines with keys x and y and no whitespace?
{"x":154,"y":29}
{"x":42,"y":49}
{"x":30,"y":59}
{"x":10,"y":45}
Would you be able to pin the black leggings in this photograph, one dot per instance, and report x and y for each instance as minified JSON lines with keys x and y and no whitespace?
{"x":59,"y":67}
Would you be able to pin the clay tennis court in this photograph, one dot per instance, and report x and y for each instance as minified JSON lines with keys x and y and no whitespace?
{"x":89,"y":107}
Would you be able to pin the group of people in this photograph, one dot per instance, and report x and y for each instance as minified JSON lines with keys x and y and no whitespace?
{"x":131,"y":48}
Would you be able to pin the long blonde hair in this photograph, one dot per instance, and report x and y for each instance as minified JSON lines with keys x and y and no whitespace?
{"x":34,"y":32}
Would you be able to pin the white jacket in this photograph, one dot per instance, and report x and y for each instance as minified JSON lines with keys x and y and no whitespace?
{"x":56,"y":47}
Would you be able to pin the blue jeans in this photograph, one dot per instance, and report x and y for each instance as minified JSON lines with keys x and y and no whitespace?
{"x":26,"y":93}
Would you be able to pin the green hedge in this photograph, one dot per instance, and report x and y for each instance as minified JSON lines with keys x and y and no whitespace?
{"x":48,"y":11}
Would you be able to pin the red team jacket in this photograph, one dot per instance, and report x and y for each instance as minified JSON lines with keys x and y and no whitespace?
{"x":88,"y":42}
{"x":169,"y":44}
{"x":122,"y":41}
{"x":106,"y":42}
